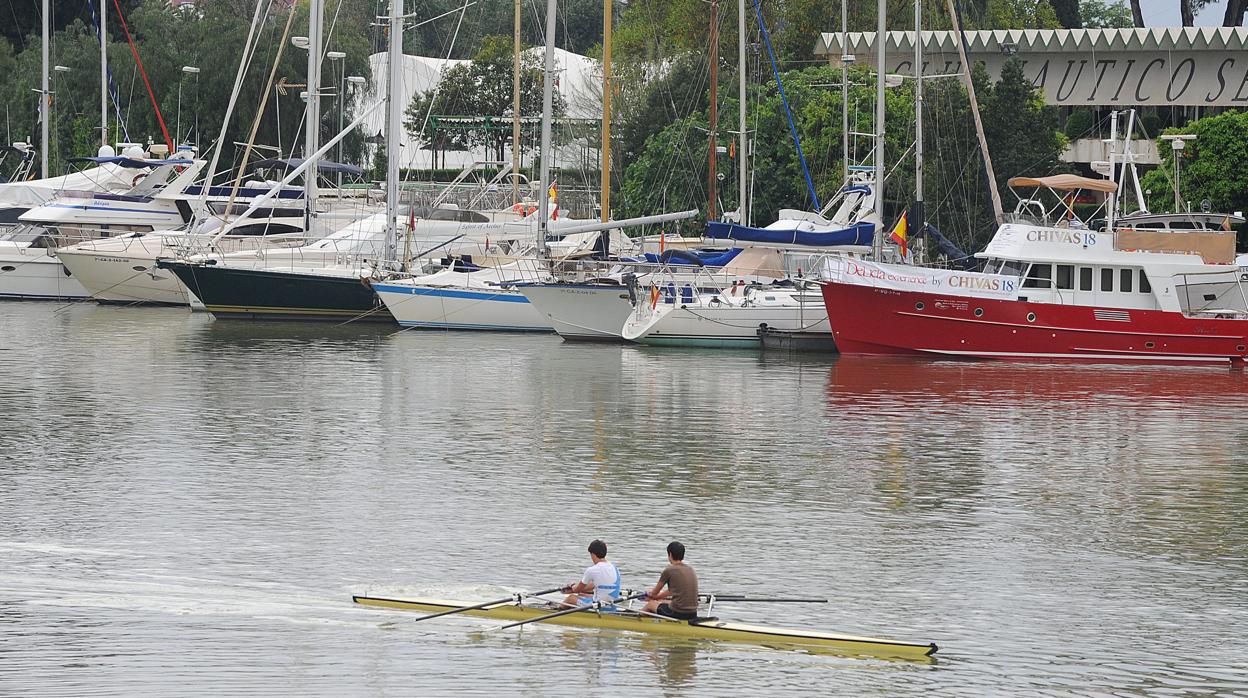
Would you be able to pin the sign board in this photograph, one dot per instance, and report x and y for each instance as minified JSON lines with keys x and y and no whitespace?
{"x":901,"y":277}
{"x":1205,"y":66}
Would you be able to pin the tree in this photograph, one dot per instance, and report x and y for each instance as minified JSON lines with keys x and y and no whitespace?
{"x":1212,"y":166}
{"x":1021,"y":130}
{"x":1105,"y":14}
{"x":481,"y":90}
{"x":1137,"y":14}
{"x":1067,"y":12}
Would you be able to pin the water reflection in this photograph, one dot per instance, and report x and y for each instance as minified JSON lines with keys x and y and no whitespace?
{"x":182,"y":499}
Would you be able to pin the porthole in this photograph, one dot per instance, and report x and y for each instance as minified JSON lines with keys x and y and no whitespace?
{"x":139,"y":268}
{"x":979,"y":312}
{"x":8,"y":267}
{"x":1031,"y":317}
{"x":1239,"y":347}
{"x":1150,"y":345}
{"x":919,"y":305}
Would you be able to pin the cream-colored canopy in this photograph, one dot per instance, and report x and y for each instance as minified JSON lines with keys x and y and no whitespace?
{"x":1065,"y":182}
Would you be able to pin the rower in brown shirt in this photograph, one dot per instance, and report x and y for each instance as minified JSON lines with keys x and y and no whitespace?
{"x":680,"y":600}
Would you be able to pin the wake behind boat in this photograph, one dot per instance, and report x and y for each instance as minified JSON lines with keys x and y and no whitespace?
{"x":707,"y":628}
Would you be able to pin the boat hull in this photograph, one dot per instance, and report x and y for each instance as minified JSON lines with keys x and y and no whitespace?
{"x":869,"y":320}
{"x":734,"y":326}
{"x":129,"y":277}
{"x":263,"y":294}
{"x":36,"y":274}
{"x":450,"y":308}
{"x":708,"y":629}
{"x":582,"y":312}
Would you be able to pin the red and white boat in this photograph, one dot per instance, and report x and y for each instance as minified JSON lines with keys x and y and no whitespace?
{"x":1149,"y":288}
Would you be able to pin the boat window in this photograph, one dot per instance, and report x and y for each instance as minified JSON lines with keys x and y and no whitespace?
{"x":1039,"y":276}
{"x":1145,"y":287}
{"x":1085,"y":278}
{"x":1012,"y":268}
{"x":991,"y":266}
{"x":1124,"y":280}
{"x":1066,"y":276}
{"x":1107,"y":279}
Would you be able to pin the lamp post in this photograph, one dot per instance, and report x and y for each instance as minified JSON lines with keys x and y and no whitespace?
{"x":336,"y":57}
{"x":186,"y":70}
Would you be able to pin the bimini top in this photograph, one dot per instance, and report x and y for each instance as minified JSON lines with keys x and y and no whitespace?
{"x":323,"y":166}
{"x":1064,"y":182}
{"x":130,"y":162}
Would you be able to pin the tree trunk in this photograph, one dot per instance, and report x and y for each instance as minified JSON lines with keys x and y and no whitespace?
{"x":1234,"y":16}
{"x":1185,"y":11}
{"x":1136,"y":13}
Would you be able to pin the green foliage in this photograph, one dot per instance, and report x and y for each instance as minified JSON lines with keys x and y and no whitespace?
{"x":481,"y":88}
{"x":1067,"y":13}
{"x":209,"y":36}
{"x":1021,"y":130}
{"x":1079,"y":123}
{"x":578,"y":25}
{"x":1020,"y":14}
{"x":1105,"y":14}
{"x":1211,"y":168}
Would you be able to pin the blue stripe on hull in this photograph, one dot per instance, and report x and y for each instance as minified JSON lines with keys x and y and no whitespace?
{"x":451,"y":293}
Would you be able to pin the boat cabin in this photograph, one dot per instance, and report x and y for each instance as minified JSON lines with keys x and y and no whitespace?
{"x":1179,"y":262}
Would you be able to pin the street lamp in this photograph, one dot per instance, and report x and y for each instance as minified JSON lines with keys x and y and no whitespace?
{"x":186,"y":70}
{"x":337,"y":57}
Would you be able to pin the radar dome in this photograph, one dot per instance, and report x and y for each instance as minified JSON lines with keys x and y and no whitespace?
{"x":106,"y":151}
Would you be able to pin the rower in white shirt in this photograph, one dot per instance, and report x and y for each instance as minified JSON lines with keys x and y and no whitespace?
{"x":601,"y":581}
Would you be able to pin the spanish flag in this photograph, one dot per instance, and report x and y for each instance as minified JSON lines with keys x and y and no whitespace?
{"x":554,"y":200}
{"x":899,"y":236}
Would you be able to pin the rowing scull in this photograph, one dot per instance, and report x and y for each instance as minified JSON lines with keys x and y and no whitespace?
{"x":705,"y":628}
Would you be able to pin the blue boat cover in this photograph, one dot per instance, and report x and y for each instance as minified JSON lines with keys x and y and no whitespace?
{"x":129,"y":162}
{"x":856,"y":234}
{"x":708,"y":259}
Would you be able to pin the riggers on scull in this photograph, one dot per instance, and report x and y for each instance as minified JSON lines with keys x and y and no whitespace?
{"x":709,"y":628}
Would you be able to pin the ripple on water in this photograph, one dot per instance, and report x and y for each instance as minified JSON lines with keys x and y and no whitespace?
{"x":189,"y":503}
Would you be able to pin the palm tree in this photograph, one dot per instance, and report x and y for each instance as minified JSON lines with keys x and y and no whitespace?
{"x":1137,"y":14}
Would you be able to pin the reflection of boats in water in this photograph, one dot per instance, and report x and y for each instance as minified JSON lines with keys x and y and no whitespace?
{"x":702,"y":628}
{"x":853,"y":379}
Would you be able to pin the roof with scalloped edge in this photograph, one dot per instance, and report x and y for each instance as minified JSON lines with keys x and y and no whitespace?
{"x":1039,"y":40}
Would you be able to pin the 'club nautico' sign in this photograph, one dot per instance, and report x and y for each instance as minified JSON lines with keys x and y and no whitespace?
{"x":1194,"y":66}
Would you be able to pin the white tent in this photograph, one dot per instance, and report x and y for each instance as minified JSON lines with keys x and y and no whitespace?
{"x":579,"y":82}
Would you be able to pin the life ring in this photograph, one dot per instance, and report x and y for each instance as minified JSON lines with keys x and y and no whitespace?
{"x":137,"y":178}
{"x":523,"y":209}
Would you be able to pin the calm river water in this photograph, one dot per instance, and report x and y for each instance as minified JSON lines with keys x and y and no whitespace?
{"x":186,"y":507}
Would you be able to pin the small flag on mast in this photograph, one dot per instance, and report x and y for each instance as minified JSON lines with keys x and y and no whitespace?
{"x":899,"y":235}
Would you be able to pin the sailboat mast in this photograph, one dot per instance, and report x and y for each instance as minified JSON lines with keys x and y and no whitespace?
{"x":312,"y":133}
{"x":916,"y":218}
{"x":742,"y":164}
{"x":606,"y":110}
{"x":880,"y":70}
{"x":103,"y":73}
{"x":394,"y":125}
{"x":45,"y":95}
{"x":845,"y":89}
{"x":515,"y":107}
{"x":548,"y":108}
{"x":711,"y":179}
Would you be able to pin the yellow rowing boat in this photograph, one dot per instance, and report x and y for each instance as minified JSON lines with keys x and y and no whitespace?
{"x":704,"y":628}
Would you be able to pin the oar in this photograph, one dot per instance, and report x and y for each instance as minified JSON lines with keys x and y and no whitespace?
{"x":574,"y":609}
{"x":741,"y":598}
{"x":487,"y":604}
